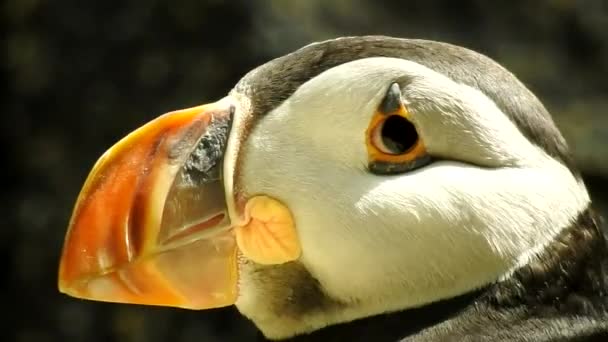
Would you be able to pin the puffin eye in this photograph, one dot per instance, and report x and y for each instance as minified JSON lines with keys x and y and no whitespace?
{"x":393,"y":142}
{"x":395,"y":135}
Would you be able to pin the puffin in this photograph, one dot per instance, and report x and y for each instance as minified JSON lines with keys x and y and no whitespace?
{"x":364,"y":188}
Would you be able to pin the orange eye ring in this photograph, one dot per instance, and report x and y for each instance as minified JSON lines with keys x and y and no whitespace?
{"x":394,"y":135}
{"x":393,"y":139}
{"x":393,"y":143}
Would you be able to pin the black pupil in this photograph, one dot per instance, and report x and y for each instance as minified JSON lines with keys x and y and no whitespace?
{"x":398,"y":134}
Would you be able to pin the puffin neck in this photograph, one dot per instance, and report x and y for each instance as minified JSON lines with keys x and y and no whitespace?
{"x":568,"y":278}
{"x":390,"y":327}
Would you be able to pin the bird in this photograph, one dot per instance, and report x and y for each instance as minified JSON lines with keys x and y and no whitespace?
{"x":363,"y":188}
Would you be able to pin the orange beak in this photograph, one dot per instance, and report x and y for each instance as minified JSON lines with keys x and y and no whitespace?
{"x":150,"y":225}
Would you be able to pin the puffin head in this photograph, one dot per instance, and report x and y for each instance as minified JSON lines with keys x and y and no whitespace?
{"x":350,"y":178}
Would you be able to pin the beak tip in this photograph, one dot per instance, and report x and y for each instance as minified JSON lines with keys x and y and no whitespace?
{"x":62,"y":282}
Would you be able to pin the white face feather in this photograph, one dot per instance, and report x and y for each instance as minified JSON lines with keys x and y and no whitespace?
{"x":386,"y":243}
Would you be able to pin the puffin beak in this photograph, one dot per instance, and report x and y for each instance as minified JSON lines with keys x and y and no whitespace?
{"x":150,"y":225}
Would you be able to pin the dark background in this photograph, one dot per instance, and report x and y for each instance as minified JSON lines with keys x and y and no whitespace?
{"x":82,"y":74}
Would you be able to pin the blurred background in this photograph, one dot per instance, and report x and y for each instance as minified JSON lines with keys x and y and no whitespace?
{"x":80,"y":75}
